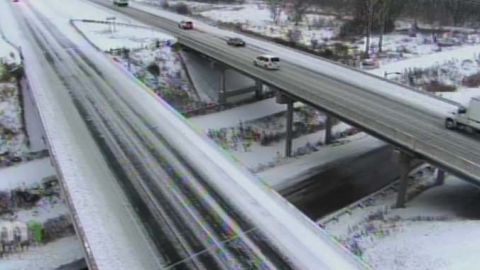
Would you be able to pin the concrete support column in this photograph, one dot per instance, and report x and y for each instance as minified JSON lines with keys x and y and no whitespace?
{"x":284,"y":99}
{"x":328,"y":129}
{"x":289,"y":137}
{"x":258,"y":89}
{"x":440,"y":180}
{"x":404,"y":161}
{"x":222,"y":88}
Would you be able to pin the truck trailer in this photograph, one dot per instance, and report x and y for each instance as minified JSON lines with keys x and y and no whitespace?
{"x":466,"y":118}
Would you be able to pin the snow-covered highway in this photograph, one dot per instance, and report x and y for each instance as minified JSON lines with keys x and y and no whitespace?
{"x":200,"y":210}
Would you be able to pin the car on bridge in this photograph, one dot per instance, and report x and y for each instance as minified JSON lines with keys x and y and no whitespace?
{"x":235,"y":41}
{"x":267,"y":61}
{"x":187,"y":25}
{"x":120,"y":3}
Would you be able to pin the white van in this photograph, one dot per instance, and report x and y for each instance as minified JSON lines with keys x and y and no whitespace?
{"x":267,"y":61}
{"x":119,"y":3}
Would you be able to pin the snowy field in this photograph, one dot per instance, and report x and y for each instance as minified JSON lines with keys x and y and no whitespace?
{"x":45,"y":257}
{"x":38,"y":256}
{"x":434,"y":231}
{"x":249,"y":14}
{"x":25,"y":174}
{"x":110,"y":36}
{"x":426,"y":61}
{"x":451,"y":68}
{"x":255,"y":16}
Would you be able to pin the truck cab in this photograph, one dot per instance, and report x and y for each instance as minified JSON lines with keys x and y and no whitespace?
{"x":466,"y":118}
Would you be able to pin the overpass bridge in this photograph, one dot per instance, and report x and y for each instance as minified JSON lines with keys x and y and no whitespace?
{"x":107,"y":136}
{"x":147,"y":192}
{"x":353,"y":96}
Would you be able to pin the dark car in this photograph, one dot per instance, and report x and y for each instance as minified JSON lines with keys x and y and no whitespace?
{"x":236,"y":42}
{"x":187,"y":25}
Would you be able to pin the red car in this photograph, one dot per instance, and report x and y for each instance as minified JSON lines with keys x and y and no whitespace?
{"x":187,"y":25}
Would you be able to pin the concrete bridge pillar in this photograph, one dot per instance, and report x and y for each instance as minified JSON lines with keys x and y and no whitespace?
{"x":440,"y":180}
{"x":283,"y":99}
{"x":222,"y":98}
{"x":224,"y":94}
{"x":289,"y":136}
{"x":258,"y":89}
{"x":328,"y":129}
{"x":405,"y":161}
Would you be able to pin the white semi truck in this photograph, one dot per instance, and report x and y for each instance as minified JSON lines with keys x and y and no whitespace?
{"x":120,"y":3}
{"x":466,"y":118}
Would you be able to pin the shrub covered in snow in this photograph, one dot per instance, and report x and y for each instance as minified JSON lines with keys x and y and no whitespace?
{"x":472,"y":80}
{"x":181,"y":8}
{"x":435,"y":86}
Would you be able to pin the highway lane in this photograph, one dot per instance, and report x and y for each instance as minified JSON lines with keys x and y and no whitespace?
{"x":179,"y":229}
{"x":192,"y":225}
{"x":407,"y":127}
{"x":112,"y":239}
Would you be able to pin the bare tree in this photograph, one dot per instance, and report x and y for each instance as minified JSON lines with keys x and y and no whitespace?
{"x":383,"y":13}
{"x":366,"y":13}
{"x":389,"y":11}
{"x":275,"y":7}
{"x":299,"y":8}
{"x":460,"y":10}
